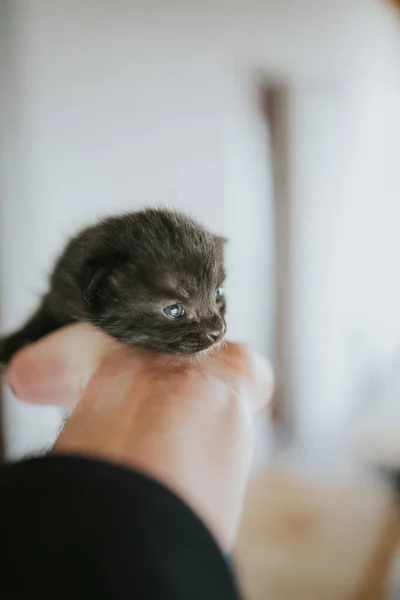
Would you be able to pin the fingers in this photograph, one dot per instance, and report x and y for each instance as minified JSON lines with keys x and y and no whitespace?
{"x":261,"y":379}
{"x":56,"y":369}
{"x":236,"y":362}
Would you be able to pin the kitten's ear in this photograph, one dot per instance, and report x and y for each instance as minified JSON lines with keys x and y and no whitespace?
{"x":95,"y":278}
{"x":221,"y":239}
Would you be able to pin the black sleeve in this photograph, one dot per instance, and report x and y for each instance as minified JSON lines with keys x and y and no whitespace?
{"x":81,"y":529}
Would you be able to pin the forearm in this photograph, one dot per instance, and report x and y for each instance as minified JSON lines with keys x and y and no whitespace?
{"x":79,"y":528}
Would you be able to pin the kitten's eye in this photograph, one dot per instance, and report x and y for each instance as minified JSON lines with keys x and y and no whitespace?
{"x":175,"y":311}
{"x":219,"y":293}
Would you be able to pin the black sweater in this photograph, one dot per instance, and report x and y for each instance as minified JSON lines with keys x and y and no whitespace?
{"x":81,"y":529}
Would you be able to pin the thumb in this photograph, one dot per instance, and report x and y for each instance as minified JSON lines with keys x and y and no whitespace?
{"x":56,"y":369}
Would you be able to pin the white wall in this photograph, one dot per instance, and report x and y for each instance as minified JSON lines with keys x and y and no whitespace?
{"x":345,"y":214}
{"x":113,"y":104}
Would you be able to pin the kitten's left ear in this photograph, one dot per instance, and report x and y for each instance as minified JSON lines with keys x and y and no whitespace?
{"x":221,"y":239}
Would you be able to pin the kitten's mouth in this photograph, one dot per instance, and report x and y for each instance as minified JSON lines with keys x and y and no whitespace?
{"x":212,"y":348}
{"x":197,"y":349}
{"x":195,"y":346}
{"x":212,"y":340}
{"x":188,"y":349}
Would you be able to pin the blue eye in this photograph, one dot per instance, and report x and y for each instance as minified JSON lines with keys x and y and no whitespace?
{"x":219,"y":293}
{"x":175,"y":311}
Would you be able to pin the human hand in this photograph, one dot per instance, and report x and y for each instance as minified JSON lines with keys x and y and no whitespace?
{"x":187,"y":423}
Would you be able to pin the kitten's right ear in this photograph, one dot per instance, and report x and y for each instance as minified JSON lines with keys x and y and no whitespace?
{"x":95,"y":278}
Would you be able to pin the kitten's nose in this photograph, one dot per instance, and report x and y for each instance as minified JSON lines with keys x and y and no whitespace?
{"x":215,"y":334}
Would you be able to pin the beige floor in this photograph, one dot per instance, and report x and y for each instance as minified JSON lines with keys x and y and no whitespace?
{"x":308,"y":540}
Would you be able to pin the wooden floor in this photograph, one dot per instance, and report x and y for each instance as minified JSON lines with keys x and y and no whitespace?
{"x":308,"y":540}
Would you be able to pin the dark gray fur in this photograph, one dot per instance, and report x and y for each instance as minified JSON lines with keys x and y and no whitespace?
{"x":119,"y":275}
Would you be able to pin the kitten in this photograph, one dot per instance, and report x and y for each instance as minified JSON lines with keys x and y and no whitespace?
{"x":151,"y":278}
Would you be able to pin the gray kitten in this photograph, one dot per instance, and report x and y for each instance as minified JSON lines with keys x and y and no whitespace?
{"x":151,"y":278}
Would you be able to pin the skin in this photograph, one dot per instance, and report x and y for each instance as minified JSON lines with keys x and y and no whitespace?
{"x":187,"y":423}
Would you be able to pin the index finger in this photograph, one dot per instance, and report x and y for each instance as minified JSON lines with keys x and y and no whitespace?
{"x":254,"y":371}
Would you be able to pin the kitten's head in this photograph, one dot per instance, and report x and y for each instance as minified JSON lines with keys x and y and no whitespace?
{"x":155,"y":280}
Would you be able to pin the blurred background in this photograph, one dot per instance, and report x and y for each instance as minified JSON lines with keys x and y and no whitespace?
{"x":276,"y":123}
